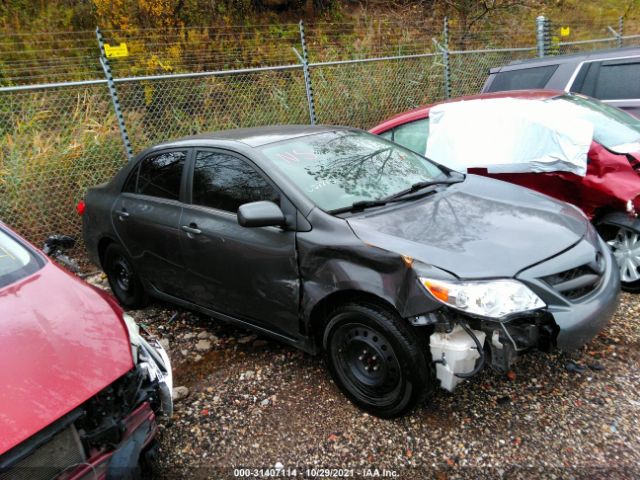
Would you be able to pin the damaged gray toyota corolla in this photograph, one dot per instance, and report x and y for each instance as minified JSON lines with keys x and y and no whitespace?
{"x":407,"y":274}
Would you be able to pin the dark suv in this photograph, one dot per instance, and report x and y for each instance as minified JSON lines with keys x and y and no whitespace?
{"x":612,"y":76}
{"x":330,"y":238}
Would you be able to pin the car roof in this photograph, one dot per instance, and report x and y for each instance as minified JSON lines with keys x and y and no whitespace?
{"x":253,"y":137}
{"x":568,"y":58}
{"x":423,"y":112}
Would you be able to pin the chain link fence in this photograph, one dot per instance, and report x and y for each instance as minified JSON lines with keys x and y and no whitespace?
{"x":58,"y":139}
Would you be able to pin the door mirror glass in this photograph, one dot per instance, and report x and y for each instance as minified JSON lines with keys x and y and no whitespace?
{"x":260,"y":214}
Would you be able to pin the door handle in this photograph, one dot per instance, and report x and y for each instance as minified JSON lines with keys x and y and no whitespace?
{"x":122,"y":213}
{"x":191,"y":229}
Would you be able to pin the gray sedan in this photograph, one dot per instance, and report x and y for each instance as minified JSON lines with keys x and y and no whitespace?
{"x":407,"y":274}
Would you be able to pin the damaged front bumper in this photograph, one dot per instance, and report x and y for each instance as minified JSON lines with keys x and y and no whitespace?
{"x":580,"y":288}
{"x":106,"y":436}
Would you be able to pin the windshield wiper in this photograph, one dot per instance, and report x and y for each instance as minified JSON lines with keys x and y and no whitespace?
{"x":419,"y":186}
{"x":396,"y":197}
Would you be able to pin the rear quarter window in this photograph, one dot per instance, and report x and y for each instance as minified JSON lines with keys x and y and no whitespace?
{"x":522,"y":78}
{"x":618,"y":80}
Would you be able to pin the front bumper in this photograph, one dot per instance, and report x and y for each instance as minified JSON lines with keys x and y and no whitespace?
{"x":578,"y":320}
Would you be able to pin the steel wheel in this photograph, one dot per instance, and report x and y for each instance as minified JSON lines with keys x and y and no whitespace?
{"x":626,"y":249}
{"x":367,"y":363}
{"x":377,"y":359}
{"x":123,"y":273}
{"x":124,"y":282}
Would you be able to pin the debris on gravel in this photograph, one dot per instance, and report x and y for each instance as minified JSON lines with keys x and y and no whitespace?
{"x":179,"y":393}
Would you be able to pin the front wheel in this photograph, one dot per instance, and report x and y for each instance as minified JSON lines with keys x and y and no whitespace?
{"x":378,"y":360}
{"x":624,"y":243}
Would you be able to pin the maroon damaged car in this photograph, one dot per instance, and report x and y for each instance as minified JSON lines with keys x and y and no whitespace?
{"x":608,"y":191}
{"x":80,"y":385}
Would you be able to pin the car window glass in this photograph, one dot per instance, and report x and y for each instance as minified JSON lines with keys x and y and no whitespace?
{"x":618,"y":81}
{"x":523,"y":78}
{"x":335,"y":169}
{"x":16,"y":261}
{"x":612,"y":127}
{"x":413,"y":135}
{"x":130,"y":184}
{"x":388,"y":134}
{"x":160,"y":175}
{"x":225,"y":182}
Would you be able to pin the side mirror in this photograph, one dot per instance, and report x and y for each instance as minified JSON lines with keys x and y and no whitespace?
{"x":260,"y":214}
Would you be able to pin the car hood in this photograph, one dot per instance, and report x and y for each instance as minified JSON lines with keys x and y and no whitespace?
{"x":61,"y":343}
{"x":479,"y":228}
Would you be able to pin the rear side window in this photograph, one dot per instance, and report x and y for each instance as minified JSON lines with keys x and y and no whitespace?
{"x":160,"y":175}
{"x":618,"y":80}
{"x":16,"y":261}
{"x":523,"y":78}
{"x":225,"y":182}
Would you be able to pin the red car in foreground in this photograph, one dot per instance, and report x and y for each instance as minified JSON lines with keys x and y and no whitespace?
{"x":608,"y":188}
{"x":79,"y":386}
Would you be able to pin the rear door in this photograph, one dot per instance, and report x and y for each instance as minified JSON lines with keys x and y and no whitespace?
{"x":249,"y":273}
{"x":146,"y":217}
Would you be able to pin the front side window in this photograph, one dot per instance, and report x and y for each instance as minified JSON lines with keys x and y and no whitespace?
{"x":336,"y":169}
{"x":16,"y":261}
{"x":225,"y":182}
{"x":160,"y":175}
{"x":413,"y":135}
{"x":612,"y":127}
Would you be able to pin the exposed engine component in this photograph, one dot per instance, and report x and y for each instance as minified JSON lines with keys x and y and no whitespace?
{"x":455,"y":353}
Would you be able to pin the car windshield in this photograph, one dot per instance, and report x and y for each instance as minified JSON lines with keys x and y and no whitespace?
{"x":16,"y":261}
{"x":336,"y":169}
{"x":612,"y":127}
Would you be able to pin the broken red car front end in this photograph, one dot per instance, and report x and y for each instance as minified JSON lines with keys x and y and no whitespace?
{"x":81,"y":384}
{"x":86,"y":443}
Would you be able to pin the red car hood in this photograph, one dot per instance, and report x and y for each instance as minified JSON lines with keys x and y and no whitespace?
{"x":61,"y":343}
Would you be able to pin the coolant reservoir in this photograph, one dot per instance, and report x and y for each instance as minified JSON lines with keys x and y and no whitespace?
{"x":456,"y":353}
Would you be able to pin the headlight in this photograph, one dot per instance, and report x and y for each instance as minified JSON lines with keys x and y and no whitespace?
{"x":488,"y":298}
{"x":152,"y":358}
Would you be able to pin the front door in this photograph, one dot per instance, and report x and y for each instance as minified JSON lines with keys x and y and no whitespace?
{"x":249,"y":273}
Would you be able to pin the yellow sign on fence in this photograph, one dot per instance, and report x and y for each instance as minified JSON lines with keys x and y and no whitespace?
{"x":565,"y":31}
{"x":116,"y":51}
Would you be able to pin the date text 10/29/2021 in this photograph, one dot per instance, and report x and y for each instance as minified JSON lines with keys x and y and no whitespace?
{"x":314,"y":472}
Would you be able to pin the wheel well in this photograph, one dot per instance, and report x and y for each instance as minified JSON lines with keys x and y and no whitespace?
{"x":319,"y":314}
{"x":102,"y":247}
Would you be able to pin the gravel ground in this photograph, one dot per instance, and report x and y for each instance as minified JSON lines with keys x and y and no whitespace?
{"x":257,"y":404}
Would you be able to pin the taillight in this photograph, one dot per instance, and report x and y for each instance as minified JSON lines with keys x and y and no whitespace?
{"x":80,"y":207}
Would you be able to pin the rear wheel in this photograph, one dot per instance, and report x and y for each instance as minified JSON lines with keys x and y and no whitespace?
{"x":377,"y":359}
{"x":625,"y":245}
{"x":124,"y":281}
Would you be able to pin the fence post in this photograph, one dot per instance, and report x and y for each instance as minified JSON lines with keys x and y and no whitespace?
{"x":540,"y":35}
{"x":307,"y":75}
{"x":445,"y":59}
{"x":114,"y":95}
{"x":620,"y":30}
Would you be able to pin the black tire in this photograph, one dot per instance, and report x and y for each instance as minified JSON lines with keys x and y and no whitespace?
{"x":378,"y":360}
{"x":123,"y":279}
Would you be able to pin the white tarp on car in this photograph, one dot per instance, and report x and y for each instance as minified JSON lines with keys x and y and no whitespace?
{"x":509,"y":135}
